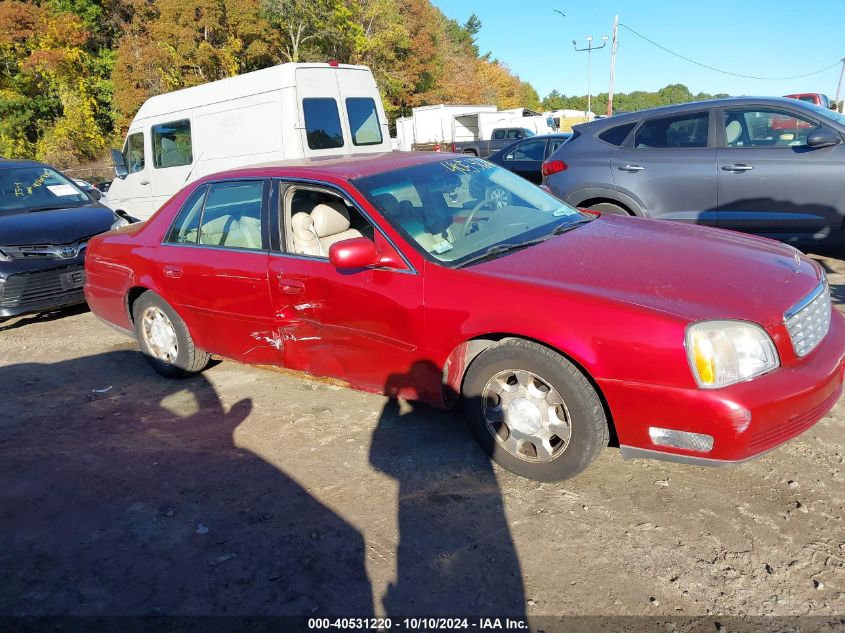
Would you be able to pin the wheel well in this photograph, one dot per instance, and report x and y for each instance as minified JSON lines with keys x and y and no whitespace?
{"x":588,"y":203}
{"x":475,"y":346}
{"x":131,"y":297}
{"x":471,"y":151}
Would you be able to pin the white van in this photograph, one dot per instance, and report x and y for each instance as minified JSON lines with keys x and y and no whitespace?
{"x":283,"y":112}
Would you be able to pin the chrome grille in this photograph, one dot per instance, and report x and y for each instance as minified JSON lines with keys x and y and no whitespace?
{"x":49,"y":251}
{"x":809,"y":320}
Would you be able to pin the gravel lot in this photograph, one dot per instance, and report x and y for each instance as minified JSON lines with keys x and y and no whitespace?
{"x":251,"y":491}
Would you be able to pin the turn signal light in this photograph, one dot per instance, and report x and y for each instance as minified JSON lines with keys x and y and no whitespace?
{"x":553,"y":166}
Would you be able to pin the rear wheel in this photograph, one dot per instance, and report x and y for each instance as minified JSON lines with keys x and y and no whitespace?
{"x":609,"y":208}
{"x":533,"y":411}
{"x":164,"y":338}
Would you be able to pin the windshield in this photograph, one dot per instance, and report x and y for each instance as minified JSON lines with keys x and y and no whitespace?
{"x":457,"y":209}
{"x":825,"y":113}
{"x":36,"y":188}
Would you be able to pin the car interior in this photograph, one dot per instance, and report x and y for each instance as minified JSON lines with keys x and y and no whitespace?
{"x":317,"y":219}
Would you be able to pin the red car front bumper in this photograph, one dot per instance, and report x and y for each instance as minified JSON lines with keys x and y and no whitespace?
{"x":745,"y":420}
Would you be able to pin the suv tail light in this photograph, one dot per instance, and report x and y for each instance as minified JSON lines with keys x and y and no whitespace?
{"x":553,"y":166}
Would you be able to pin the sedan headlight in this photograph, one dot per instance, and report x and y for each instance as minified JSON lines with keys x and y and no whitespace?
{"x":119,"y":221}
{"x":722,"y":353}
{"x":4,"y":257}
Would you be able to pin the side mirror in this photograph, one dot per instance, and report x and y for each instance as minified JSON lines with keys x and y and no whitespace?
{"x":95,"y":194}
{"x":823,"y":137}
{"x":357,"y":252}
{"x":120,"y":169}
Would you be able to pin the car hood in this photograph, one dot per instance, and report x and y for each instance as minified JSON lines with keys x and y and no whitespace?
{"x":692,"y":272}
{"x":56,"y":226}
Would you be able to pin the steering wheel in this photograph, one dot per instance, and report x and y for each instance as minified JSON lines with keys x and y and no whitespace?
{"x":472,"y":214}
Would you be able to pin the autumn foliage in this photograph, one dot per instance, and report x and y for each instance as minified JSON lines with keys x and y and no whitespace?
{"x":74,"y":72}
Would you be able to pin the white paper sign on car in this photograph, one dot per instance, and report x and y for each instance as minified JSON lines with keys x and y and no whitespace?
{"x":62,"y":190}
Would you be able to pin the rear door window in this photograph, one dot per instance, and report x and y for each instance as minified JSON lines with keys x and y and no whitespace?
{"x":185,"y":227}
{"x":531,"y":150}
{"x":232,"y":215}
{"x":322,"y":123}
{"x":363,"y":121}
{"x":679,"y":132}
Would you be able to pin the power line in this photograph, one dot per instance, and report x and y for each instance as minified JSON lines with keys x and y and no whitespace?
{"x":719,"y":70}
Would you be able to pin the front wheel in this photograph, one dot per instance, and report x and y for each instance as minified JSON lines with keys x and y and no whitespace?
{"x":609,"y":208}
{"x":164,"y":338}
{"x":534,"y":412}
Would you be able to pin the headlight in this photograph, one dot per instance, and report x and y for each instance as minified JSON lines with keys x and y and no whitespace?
{"x":119,"y":221}
{"x":4,"y":257}
{"x":722,"y":353}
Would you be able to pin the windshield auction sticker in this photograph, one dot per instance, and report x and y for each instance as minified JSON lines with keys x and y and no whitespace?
{"x":466,"y":165}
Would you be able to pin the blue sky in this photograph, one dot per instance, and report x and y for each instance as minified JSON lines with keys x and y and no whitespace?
{"x":752,"y":37}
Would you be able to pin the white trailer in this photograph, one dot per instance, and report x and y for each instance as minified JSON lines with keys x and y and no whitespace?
{"x":287,"y":111}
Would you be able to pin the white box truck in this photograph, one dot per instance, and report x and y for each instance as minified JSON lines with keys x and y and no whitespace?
{"x":285,"y":112}
{"x":431,"y":126}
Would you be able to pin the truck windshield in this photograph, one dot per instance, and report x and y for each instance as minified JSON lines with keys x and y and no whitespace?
{"x":37,"y":188}
{"x":453,"y":210}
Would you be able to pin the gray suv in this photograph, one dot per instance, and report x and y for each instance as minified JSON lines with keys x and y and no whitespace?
{"x":770,"y":166}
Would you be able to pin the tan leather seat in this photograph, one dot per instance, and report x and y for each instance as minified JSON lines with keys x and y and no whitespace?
{"x":733,"y":132}
{"x":331,"y":224}
{"x":305,"y":241}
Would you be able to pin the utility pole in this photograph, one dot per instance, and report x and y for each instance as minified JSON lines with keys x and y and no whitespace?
{"x":840,"y":106}
{"x":614,"y":46}
{"x":590,"y":48}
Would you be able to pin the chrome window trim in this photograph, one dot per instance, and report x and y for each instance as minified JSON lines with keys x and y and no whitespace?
{"x":803,"y":303}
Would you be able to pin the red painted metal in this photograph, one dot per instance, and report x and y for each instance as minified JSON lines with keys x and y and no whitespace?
{"x":614,"y":296}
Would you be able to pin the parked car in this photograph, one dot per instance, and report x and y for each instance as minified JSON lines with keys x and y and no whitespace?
{"x":283,"y":112}
{"x":88,"y":188}
{"x":500,"y":138}
{"x":815,"y":98}
{"x":770,"y":166}
{"x":398,"y":274}
{"x":45,"y":224}
{"x":525,"y":157}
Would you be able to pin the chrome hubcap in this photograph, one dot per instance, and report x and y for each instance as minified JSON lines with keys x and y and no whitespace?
{"x":526,"y":415}
{"x":159,"y":335}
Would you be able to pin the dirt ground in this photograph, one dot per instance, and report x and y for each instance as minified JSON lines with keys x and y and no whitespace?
{"x":245,"y":491}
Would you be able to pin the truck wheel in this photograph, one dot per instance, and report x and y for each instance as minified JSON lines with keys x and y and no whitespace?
{"x":164,"y":338}
{"x":608,"y":208}
{"x":533,"y":411}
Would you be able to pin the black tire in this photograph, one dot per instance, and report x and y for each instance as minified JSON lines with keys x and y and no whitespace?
{"x":609,"y":208}
{"x":588,"y":426}
{"x":189,"y":359}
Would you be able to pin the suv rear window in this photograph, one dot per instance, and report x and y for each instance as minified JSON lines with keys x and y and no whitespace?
{"x":617,"y":135}
{"x":322,"y":123}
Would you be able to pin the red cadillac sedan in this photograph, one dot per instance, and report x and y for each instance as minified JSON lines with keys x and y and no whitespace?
{"x":446,"y":279}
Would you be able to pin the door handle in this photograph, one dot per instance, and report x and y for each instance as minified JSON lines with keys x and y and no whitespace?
{"x":145,"y":182}
{"x":737,"y":168}
{"x":174,"y":272}
{"x":631,"y":168}
{"x":290,"y":286}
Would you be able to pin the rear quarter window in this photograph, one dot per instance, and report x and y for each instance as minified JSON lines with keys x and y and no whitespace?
{"x":617,"y":135}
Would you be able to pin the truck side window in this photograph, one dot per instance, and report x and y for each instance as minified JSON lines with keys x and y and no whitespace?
{"x":172,"y":144}
{"x":322,"y":123}
{"x":133,"y":153}
{"x":363,"y":121}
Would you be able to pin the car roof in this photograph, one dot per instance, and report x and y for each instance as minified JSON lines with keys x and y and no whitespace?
{"x":9,"y":163}
{"x":340,"y":167}
{"x":683,"y":107}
